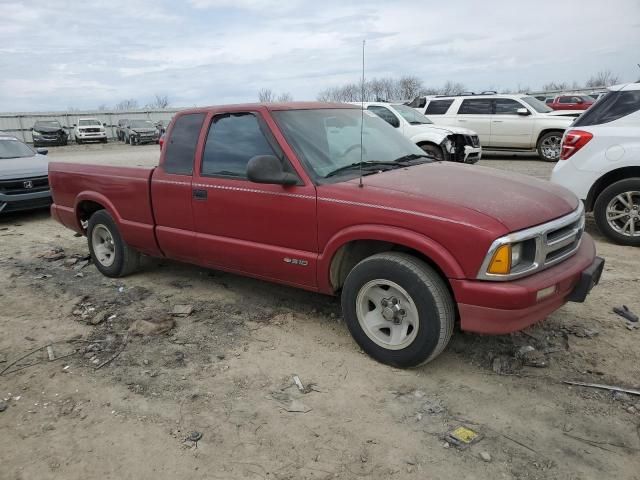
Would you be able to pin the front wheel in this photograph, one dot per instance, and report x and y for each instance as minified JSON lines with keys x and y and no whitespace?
{"x":398,"y":309}
{"x":549,"y":146}
{"x":434,"y":151}
{"x":109,"y":252}
{"x":617,"y":212}
{"x":131,"y":141}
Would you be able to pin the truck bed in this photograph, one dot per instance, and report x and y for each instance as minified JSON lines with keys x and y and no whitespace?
{"x":123,"y":191}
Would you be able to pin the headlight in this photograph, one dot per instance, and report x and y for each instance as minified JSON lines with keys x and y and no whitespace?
{"x":36,"y":134}
{"x":512,"y":258}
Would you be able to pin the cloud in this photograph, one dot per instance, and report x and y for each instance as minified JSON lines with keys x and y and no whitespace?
{"x":54,"y":55}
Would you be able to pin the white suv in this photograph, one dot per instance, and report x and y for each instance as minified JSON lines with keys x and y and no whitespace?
{"x":503,"y":122}
{"x":443,"y":143}
{"x":600,"y":163}
{"x":89,"y":129}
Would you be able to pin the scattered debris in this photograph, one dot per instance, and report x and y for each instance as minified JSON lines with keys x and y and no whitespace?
{"x":298,"y":383}
{"x":194,"y":436}
{"x":296,"y":406}
{"x":310,"y":387}
{"x":505,"y":365}
{"x":580,"y":331}
{"x":485,"y":456}
{"x":532,"y":357}
{"x":3,"y":405}
{"x":611,"y":388}
{"x":115,"y":355}
{"x":54,"y":254}
{"x":148,"y":327}
{"x":625,"y":313}
{"x":81,"y":265}
{"x":42,"y":276}
{"x":462,"y":437}
{"x":50,"y":353}
{"x":182,"y":310}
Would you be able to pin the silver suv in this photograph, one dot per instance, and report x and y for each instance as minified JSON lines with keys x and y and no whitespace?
{"x":503,"y":122}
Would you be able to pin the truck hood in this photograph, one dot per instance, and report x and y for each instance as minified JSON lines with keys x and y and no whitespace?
{"x":144,"y":130}
{"x":45,"y":129}
{"x":516,"y":201}
{"x":13,"y":168}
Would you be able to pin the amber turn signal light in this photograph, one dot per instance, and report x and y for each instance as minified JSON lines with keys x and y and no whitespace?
{"x":501,"y":262}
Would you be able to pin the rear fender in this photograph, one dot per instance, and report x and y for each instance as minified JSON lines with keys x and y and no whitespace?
{"x":428,"y":247}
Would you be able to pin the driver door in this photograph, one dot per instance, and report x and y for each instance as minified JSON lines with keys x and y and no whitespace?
{"x":262,"y":230}
{"x":508,"y":127}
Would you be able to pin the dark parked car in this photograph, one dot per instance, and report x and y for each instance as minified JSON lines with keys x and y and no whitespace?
{"x":49,"y":132}
{"x":140,"y":131}
{"x":24,"y":176}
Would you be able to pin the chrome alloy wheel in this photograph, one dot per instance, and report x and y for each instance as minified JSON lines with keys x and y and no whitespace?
{"x":623,"y":213}
{"x":387,"y":314}
{"x":550,"y":147}
{"x":103,"y":245}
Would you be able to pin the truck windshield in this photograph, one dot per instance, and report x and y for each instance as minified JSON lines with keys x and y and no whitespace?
{"x":89,"y":123}
{"x":142,"y":124}
{"x":328,"y":141}
{"x":14,"y":148}
{"x":48,"y":123}
{"x":537,"y":105}
{"x":411,"y":115}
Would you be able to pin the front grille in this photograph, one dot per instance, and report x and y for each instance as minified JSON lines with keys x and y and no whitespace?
{"x":90,"y":130}
{"x":560,"y":242}
{"x":21,"y":185}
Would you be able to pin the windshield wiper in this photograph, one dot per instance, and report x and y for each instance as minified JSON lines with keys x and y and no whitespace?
{"x":366,"y":166}
{"x":410,"y":158}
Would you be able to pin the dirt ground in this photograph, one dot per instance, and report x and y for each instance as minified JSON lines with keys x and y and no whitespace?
{"x":225,"y":372}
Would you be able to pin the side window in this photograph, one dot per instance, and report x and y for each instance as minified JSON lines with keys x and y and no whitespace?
{"x":386,"y":115}
{"x":233,"y":140}
{"x":181,"y":145}
{"x":480,"y":106}
{"x":438,"y":107}
{"x":613,"y":106}
{"x":566,"y":100}
{"x":506,"y":106}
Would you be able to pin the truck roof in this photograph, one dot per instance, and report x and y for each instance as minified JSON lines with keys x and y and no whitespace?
{"x":272,"y":106}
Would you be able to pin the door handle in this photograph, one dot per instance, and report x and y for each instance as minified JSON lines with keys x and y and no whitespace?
{"x":461,"y":120}
{"x":200,"y":194}
{"x":498,"y":121}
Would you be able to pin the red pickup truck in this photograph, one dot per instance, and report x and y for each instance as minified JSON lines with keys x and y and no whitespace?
{"x":299,"y":193}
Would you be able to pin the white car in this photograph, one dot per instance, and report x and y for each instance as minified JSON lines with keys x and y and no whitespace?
{"x":88,"y":129}
{"x":503,"y":122}
{"x":443,"y":143}
{"x":600,"y":163}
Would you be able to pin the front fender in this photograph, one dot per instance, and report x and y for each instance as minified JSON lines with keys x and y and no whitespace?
{"x":431,"y":249}
{"x":431,"y":137}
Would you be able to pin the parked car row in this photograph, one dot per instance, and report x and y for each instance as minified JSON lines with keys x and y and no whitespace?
{"x":502,"y":122}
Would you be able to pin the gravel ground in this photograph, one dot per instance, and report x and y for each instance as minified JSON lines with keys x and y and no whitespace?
{"x":225,"y":371}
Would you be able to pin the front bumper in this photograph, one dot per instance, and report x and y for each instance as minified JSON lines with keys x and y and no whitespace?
{"x":26,"y":201}
{"x":505,"y":307}
{"x":92,"y":136}
{"x":49,"y":140}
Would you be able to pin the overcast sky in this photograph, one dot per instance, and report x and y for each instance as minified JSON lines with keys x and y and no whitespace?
{"x":56,"y":54}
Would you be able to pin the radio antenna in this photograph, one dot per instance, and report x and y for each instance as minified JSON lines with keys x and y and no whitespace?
{"x":362,"y":116}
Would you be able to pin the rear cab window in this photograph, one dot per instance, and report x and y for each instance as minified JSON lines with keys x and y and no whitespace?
{"x":438,"y":107}
{"x":182,"y":143}
{"x":613,"y":106}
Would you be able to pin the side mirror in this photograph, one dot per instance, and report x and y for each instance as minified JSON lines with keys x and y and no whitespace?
{"x":32,"y":129}
{"x":42,"y":151}
{"x":104,"y":124}
{"x":268,"y":169}
{"x":74,"y":125}
{"x":523,"y":111}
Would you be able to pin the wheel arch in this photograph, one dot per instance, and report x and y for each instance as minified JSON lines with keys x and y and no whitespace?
{"x":87,"y":203}
{"x":352,"y":245}
{"x":607,"y":179}
{"x":549,"y":130}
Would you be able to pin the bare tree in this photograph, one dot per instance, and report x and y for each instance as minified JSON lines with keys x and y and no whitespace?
{"x":285,"y":97}
{"x":409,"y":87}
{"x":603,"y":78}
{"x":127,"y":104}
{"x":159,"y":101}
{"x":102,"y":107}
{"x":551,"y":86}
{"x":266,"y":95}
{"x":452,"y":88}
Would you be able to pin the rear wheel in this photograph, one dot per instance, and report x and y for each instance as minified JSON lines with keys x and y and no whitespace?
{"x":109,"y":252}
{"x":433,"y":150}
{"x":398,"y":309}
{"x":549,"y":146}
{"x":617,"y":212}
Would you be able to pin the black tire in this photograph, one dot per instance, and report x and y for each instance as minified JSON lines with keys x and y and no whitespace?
{"x":104,"y":140}
{"x":132,"y":141}
{"x":540,"y":146}
{"x":600,"y":211}
{"x":126,"y":260}
{"x":433,"y":150}
{"x":78,"y":141}
{"x":429,"y":293}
